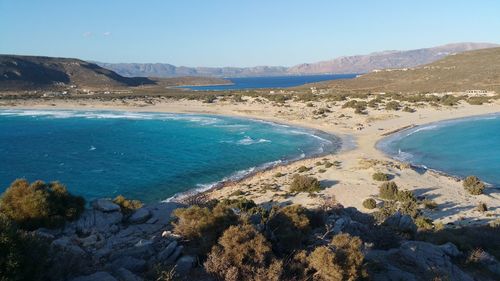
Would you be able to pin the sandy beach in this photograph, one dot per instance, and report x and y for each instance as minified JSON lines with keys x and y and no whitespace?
{"x":349,"y":181}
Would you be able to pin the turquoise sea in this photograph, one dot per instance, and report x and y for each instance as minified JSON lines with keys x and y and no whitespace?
{"x":461,"y":147}
{"x":271,"y":82}
{"x":147,"y":156}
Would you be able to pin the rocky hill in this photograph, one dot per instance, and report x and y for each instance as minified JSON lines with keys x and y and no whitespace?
{"x":341,"y":65}
{"x":474,"y":70}
{"x":32,"y":72}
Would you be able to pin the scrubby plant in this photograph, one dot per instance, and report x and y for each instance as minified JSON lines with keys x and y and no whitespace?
{"x":473,"y":185}
{"x":22,"y":256}
{"x":210,"y":99}
{"x":482,"y":207}
{"x":388,"y":209}
{"x":238,"y":192}
{"x":424,"y":223}
{"x":392,"y":105}
{"x":408,"y":109}
{"x":242,"y":204}
{"x":379,"y":176}
{"x":341,"y":260}
{"x":388,"y":190}
{"x":202,"y":226}
{"x":289,"y":227}
{"x":278,"y":175}
{"x":429,"y":204}
{"x":405,"y":196}
{"x":127,"y":206}
{"x":410,"y":208}
{"x":242,"y":253}
{"x":303,"y":169}
{"x":39,"y":204}
{"x":302,"y":183}
{"x":370,"y":203}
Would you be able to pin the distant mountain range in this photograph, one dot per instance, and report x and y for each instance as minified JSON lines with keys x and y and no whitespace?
{"x":341,"y":65}
{"x":473,"y":70}
{"x":46,"y":73}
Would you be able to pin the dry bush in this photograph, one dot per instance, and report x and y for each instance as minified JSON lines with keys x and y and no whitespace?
{"x":127,"y":206}
{"x":289,"y":227}
{"x":243,"y":254}
{"x":39,"y":204}
{"x":341,"y":260}
{"x":22,"y":256}
{"x":370,"y":203}
{"x":473,"y":185}
{"x":429,"y":204}
{"x":302,"y":183}
{"x":388,"y":190}
{"x":202,"y":226}
{"x":379,"y":176}
{"x":424,"y":223}
{"x":405,"y":196}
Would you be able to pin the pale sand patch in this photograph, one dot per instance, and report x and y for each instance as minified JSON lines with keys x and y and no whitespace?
{"x":350,"y":183}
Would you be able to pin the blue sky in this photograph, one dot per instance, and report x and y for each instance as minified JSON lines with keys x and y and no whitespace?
{"x":238,"y":32}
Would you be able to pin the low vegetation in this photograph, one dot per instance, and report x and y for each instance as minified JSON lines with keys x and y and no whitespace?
{"x":202,"y":226}
{"x":341,"y":260}
{"x":302,"y":183}
{"x":388,"y":190}
{"x":39,"y":204}
{"x":242,"y":253}
{"x":127,"y":206}
{"x":379,"y":176}
{"x":473,"y":185}
{"x":370,"y":203}
{"x":22,"y":255}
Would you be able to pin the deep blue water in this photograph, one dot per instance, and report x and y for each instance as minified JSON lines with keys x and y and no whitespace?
{"x":147,"y":156}
{"x":459,"y":147}
{"x":271,"y":82}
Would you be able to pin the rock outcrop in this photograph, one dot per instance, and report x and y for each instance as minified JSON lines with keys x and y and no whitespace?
{"x":105,"y":244}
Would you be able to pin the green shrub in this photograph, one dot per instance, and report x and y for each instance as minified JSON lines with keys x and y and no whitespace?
{"x":242,"y":253}
{"x":410,"y":208}
{"x":303,"y":169}
{"x":202,"y":226}
{"x":22,"y":256}
{"x":341,"y":260}
{"x":388,"y":209}
{"x":302,"y":183}
{"x":388,"y":190}
{"x":473,"y":185}
{"x":210,"y":99}
{"x":289,"y":226}
{"x":392,"y":105}
{"x":242,"y":204}
{"x":424,"y":223}
{"x":370,"y":203}
{"x":39,"y":204}
{"x":127,"y":206}
{"x":379,"y":176}
{"x":405,"y":196}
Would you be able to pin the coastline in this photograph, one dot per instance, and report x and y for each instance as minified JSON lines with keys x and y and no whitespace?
{"x":350,"y":183}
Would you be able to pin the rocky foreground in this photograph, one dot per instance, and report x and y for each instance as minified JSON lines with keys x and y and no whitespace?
{"x":106,"y":244}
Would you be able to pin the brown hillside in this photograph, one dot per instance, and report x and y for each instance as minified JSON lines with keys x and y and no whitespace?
{"x":478,"y":69}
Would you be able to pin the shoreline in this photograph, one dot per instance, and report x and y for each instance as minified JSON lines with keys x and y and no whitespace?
{"x":340,"y":143}
{"x":350,"y":183}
